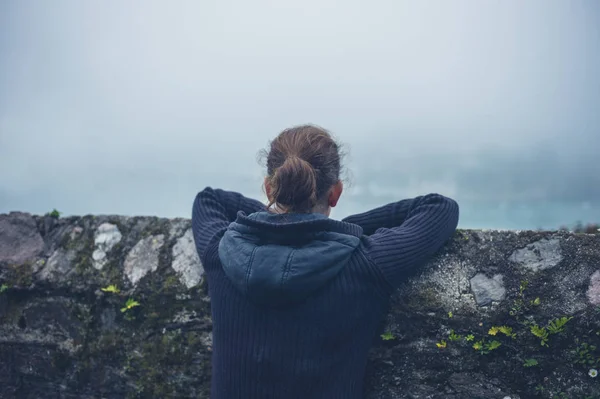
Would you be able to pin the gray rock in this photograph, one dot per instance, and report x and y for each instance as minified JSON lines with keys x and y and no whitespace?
{"x":541,"y":255}
{"x":143,"y":258}
{"x":58,"y":267}
{"x":447,"y":284}
{"x":186,"y":262}
{"x":207,"y":339}
{"x":487,"y":289}
{"x":53,"y":316}
{"x":20,"y":240}
{"x":106,"y":237}
{"x":75,"y":232}
{"x":178,"y":227}
{"x":568,"y":297}
{"x":184,"y":316}
{"x":593,"y":291}
{"x":108,"y":319}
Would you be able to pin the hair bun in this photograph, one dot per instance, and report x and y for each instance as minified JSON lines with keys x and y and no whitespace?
{"x":294,"y":184}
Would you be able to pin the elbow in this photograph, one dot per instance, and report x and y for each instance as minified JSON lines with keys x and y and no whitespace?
{"x":201,"y":200}
{"x":453,"y":215}
{"x":206,"y":192}
{"x":443,"y":202}
{"x":446,"y":209}
{"x":453,"y":210}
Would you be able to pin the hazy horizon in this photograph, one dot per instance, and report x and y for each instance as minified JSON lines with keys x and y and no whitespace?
{"x":131,"y":108}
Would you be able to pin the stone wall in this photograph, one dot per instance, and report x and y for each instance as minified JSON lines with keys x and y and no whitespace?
{"x":116,"y":307}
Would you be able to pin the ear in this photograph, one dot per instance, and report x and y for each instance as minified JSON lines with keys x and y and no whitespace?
{"x":335,"y":193}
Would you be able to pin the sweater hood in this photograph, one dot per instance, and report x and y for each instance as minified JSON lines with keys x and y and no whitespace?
{"x":278,"y":260}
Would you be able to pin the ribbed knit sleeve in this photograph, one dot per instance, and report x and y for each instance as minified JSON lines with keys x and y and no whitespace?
{"x":430,"y":222}
{"x":387,"y":216}
{"x":213,"y":211}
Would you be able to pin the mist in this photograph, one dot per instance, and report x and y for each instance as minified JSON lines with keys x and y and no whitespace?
{"x":131,"y":108}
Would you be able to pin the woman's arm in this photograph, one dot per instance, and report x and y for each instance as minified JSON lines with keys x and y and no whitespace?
{"x":213,"y":211}
{"x":399,"y":250}
{"x":387,"y":216}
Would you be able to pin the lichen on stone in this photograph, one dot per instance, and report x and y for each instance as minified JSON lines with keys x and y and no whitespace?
{"x":486,"y":290}
{"x":143,"y":258}
{"x":20,"y":240}
{"x":186,"y":262}
{"x":540,"y":255}
{"x":593,"y":291}
{"x":58,"y":267}
{"x":106,"y":237}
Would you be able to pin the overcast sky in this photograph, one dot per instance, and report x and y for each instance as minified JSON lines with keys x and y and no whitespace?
{"x":132,"y":107}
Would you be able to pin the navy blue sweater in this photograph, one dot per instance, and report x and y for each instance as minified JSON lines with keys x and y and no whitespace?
{"x":297,"y":299}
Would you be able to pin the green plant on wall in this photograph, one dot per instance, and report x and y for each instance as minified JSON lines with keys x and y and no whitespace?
{"x":557,"y":326}
{"x":541,"y":333}
{"x":55,"y":214}
{"x":3,"y":288}
{"x":388,"y":336}
{"x":519,"y":303}
{"x":530,"y":363}
{"x":585,"y":354}
{"x":130,"y":304}
{"x":484,"y":347}
{"x":454,"y":336}
{"x":492,"y":345}
{"x":111,"y":288}
{"x":508,"y":331}
{"x":523,"y":286}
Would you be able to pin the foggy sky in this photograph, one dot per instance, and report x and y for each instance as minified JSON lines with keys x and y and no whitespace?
{"x":132,"y":107}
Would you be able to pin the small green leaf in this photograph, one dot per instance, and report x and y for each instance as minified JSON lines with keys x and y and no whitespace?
{"x":530,"y":363}
{"x":558,"y":325}
{"x":453,"y":336}
{"x":541,"y":333}
{"x":54,"y":214}
{"x":131,"y":303}
{"x":508,"y":331}
{"x":387,"y":336}
{"x":493,"y":345}
{"x":111,"y":288}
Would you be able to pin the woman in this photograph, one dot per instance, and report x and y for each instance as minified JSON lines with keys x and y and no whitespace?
{"x":297,"y":297}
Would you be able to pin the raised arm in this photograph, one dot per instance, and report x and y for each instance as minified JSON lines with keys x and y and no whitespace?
{"x":397,"y":251}
{"x":387,"y":216}
{"x":213,"y":211}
